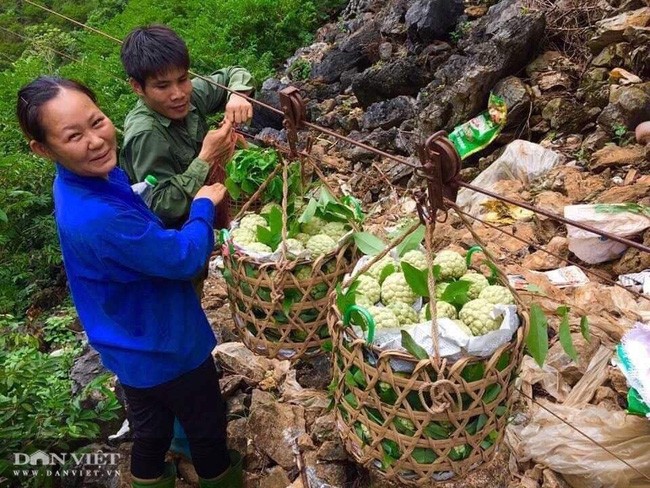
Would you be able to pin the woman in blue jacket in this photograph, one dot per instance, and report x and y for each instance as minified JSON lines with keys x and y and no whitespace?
{"x":130,"y":283}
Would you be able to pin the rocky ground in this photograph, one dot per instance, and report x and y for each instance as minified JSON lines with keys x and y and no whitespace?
{"x":575,"y":76}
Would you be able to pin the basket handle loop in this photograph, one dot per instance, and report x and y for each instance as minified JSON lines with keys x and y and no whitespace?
{"x":367,"y":318}
{"x":468,"y":260}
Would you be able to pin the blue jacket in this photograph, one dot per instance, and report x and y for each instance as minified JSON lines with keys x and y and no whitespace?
{"x":130,"y":277}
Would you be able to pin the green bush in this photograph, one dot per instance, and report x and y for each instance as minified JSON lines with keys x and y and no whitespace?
{"x":37,"y":409}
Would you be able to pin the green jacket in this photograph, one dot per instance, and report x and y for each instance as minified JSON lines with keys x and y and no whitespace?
{"x":153,"y":145}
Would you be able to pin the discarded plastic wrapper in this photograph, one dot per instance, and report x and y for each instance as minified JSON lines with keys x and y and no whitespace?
{"x":453,"y":342}
{"x":522,"y":160}
{"x":561,"y":277}
{"x":593,"y":248}
{"x":479,"y":132}
{"x":632,"y":354}
{"x":639,"y":282}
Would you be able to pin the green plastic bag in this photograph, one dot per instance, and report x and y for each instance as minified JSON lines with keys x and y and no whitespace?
{"x":478,"y":133}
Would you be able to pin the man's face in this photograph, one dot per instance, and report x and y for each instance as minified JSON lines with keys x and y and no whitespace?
{"x":167,"y":93}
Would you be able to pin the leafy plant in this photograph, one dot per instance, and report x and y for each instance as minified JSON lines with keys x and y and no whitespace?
{"x":249,"y":168}
{"x":299,"y":69}
{"x":621,"y":134}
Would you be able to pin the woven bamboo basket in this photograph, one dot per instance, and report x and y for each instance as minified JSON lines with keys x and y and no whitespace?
{"x":278,"y":314}
{"x":421,"y":421}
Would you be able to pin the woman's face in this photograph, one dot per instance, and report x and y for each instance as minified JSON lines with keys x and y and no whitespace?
{"x":78,"y":135}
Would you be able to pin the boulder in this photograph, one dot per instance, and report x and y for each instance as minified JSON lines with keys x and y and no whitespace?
{"x":501,"y":43}
{"x":614,"y":156}
{"x":404,"y":76}
{"x":614,"y":56}
{"x":628,"y":107}
{"x":275,"y":428}
{"x":518,"y":100}
{"x":428,"y":20}
{"x":612,"y":30}
{"x":355,"y":52}
{"x":235,"y":356}
{"x":275,"y":478}
{"x":390,"y":113}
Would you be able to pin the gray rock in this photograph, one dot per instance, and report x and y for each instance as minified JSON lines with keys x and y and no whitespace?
{"x":86,"y":368}
{"x":275,"y":478}
{"x":324,"y":428}
{"x":629,"y":107}
{"x":614,"y":56}
{"x":354,"y":52}
{"x":501,"y":43}
{"x":518,"y":100}
{"x":404,"y":76}
{"x":428,"y":20}
{"x":389,"y":114}
{"x":611,"y":30}
{"x":384,"y":140}
{"x":392,"y":18}
{"x":565,"y":114}
{"x":385,"y":51}
{"x":332,"y":451}
{"x":275,"y":428}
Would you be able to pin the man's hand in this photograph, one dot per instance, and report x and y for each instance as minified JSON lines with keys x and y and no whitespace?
{"x":214,"y":192}
{"x":238,"y":109}
{"x":216,"y":143}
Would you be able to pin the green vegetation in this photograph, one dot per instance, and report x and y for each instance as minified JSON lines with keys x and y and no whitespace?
{"x":257,"y":34}
{"x":38,"y":343}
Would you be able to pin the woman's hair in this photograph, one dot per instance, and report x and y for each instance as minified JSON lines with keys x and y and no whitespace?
{"x":34,"y":95}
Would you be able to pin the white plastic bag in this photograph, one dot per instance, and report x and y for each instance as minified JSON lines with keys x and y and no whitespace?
{"x":593,"y":248}
{"x":521,"y":160}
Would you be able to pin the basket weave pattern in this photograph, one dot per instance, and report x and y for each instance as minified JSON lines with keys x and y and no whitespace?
{"x":275,"y":313}
{"x":450,"y":417}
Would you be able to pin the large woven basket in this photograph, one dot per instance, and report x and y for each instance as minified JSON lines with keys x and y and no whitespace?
{"x":420,"y":421}
{"x":278,"y":314}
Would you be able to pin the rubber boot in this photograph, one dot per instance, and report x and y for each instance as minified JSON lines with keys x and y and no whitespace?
{"x":180,"y":445}
{"x":232,"y":478}
{"x":168,"y":480}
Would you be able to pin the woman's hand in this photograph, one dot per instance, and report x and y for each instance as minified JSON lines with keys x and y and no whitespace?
{"x":215,"y":193}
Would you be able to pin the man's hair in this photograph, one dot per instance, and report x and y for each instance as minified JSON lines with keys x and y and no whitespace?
{"x":151,"y":51}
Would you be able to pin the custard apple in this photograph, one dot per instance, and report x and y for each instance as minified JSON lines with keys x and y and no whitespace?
{"x":363,"y":301}
{"x":251,"y":221}
{"x":369,"y":287}
{"x":396,"y":289}
{"x":477,"y":283}
{"x":302,"y":237}
{"x":295,"y":246}
{"x":329,"y":267}
{"x":320,"y":244}
{"x":258,"y":247}
{"x":270,"y":206}
{"x":404,"y":313}
{"x":314,"y":226}
{"x":452,"y":264}
{"x":440,"y":289}
{"x":476,"y":315}
{"x":497,"y":294}
{"x":376,"y":269}
{"x":335,"y":230}
{"x":461,"y":325}
{"x":243,"y":237}
{"x":384,"y":317}
{"x":318,"y":291}
{"x":415,"y":258}
{"x":443,"y":309}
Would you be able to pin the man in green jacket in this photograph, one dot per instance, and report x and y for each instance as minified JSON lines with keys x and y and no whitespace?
{"x":167,"y":135}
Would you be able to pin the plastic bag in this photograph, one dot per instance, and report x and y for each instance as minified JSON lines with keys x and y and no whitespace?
{"x":521,"y":160}
{"x":551,"y":442}
{"x":592,"y":248}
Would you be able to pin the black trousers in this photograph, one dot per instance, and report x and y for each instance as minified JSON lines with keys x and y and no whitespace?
{"x":195,"y":399}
